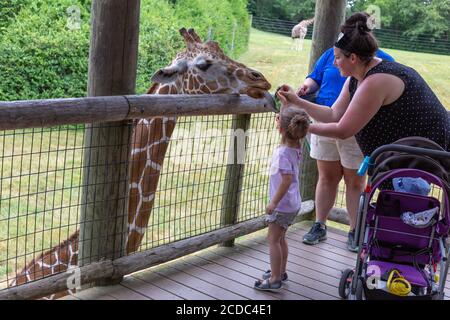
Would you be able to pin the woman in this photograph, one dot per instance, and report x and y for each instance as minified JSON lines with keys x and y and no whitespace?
{"x":380,"y":102}
{"x":336,"y":158}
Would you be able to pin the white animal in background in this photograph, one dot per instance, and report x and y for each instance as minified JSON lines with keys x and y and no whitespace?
{"x":299,"y":32}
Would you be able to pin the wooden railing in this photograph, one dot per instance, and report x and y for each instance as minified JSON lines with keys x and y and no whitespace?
{"x":46,"y":113}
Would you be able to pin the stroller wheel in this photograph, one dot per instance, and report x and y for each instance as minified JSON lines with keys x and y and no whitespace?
{"x":345,"y":283}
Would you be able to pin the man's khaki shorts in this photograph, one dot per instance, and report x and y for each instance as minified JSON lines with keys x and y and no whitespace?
{"x":330,"y":149}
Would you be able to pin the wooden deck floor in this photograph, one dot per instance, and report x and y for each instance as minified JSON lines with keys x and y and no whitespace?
{"x":229,"y":273}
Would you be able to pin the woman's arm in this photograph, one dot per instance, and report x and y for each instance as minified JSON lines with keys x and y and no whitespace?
{"x":320,"y":113}
{"x":366,"y":102}
{"x":286,"y":180}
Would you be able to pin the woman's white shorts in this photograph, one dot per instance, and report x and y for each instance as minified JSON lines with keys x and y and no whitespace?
{"x":330,"y":149}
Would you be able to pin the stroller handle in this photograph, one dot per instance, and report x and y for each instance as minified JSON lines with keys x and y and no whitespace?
{"x":407,"y":149}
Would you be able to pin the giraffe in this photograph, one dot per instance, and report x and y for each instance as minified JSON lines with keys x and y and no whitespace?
{"x":58,"y":259}
{"x":202,"y":68}
{"x":299,"y":32}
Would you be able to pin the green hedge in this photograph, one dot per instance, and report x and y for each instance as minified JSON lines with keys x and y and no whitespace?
{"x":8,"y":12}
{"x":40,"y":57}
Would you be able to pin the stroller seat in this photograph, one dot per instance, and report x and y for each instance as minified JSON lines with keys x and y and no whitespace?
{"x":396,"y":241}
{"x":381,"y":268}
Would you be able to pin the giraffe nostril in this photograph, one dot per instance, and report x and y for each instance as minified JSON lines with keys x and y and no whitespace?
{"x":255,"y":75}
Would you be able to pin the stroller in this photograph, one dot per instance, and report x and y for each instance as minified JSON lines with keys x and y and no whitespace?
{"x":402,"y":236}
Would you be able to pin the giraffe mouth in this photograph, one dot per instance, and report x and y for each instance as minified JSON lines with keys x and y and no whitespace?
{"x":256,"y":93}
{"x":259,"y":91}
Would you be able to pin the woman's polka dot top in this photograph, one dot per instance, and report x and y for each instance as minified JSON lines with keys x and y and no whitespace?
{"x":417,"y":112}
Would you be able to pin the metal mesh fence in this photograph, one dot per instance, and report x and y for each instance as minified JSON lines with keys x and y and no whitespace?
{"x":188,"y":200}
{"x":40,"y":193}
{"x":388,"y":38}
{"x":45,"y":188}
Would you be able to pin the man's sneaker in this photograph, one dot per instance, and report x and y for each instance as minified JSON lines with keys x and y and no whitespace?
{"x":317,"y":233}
{"x":351,"y":245}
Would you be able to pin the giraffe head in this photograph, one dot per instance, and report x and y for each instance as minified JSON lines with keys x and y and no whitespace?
{"x":204,"y":68}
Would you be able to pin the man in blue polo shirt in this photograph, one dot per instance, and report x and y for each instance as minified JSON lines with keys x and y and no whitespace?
{"x":336,"y":158}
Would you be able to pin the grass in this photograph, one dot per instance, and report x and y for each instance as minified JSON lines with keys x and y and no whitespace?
{"x":42,"y":169}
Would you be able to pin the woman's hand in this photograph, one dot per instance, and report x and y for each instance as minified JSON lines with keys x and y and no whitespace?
{"x":287,"y":95}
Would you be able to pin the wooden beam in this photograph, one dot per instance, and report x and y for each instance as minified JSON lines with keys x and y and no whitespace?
{"x":112,"y":71}
{"x":53,"y":112}
{"x":117,"y":268}
{"x":339,"y":215}
{"x":202,"y":104}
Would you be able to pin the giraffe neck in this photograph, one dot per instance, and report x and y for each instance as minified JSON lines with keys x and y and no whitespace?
{"x":56,"y":260}
{"x":150,"y":142}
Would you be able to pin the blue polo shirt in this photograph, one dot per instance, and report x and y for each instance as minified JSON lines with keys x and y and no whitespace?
{"x":329,"y":79}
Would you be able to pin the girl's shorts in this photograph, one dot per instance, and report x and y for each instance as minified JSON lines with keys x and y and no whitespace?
{"x":283,"y":219}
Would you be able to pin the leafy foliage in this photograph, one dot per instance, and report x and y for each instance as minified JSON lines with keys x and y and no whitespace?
{"x":42,"y":57}
{"x":8,"y":12}
{"x":295,"y":10}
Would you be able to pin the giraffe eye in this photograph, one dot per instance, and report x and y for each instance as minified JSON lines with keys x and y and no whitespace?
{"x":204,"y":64}
{"x":255,"y":75}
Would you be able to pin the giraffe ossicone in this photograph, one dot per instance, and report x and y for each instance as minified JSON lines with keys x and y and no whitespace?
{"x":202,"y":68}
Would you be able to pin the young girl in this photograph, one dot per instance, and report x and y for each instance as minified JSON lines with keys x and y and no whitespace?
{"x":284,"y":193}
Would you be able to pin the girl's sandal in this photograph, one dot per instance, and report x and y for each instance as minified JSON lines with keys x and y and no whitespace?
{"x":265,"y":285}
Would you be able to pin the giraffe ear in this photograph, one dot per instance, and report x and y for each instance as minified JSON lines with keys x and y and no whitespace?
{"x":169,"y":74}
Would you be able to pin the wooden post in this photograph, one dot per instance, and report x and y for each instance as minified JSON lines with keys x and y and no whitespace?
{"x":328,"y":17}
{"x":112,"y":71}
{"x":234,"y":173}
